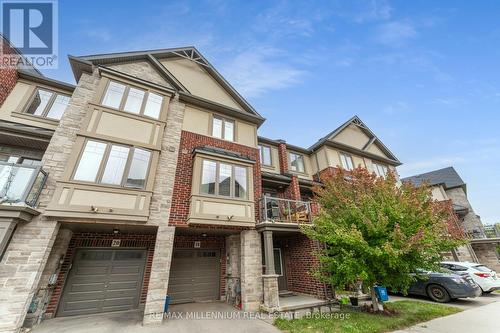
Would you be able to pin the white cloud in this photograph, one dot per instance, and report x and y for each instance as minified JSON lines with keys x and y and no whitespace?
{"x":374,"y":10}
{"x":395,"y":33}
{"x":256,"y":71}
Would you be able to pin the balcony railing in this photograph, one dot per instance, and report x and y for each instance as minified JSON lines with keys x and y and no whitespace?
{"x":484,"y":232}
{"x":284,"y":210}
{"x":21,"y":183}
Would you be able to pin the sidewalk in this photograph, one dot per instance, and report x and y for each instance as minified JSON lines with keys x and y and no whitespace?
{"x":483,"y":319}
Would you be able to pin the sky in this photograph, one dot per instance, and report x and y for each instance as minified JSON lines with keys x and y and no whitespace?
{"x":423,"y":75}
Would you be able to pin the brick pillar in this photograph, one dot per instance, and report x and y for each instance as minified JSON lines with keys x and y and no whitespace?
{"x":251,"y":271}
{"x":233,"y":248}
{"x":283,"y":157}
{"x":292,"y":192}
{"x":8,"y":75}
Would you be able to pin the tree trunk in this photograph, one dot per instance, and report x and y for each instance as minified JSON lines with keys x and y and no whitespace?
{"x":377,"y":306}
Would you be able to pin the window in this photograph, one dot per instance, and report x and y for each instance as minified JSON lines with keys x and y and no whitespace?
{"x":265,"y":155}
{"x":223,"y":179}
{"x":296,"y":162}
{"x":346,"y":161}
{"x":223,"y":128}
{"x":48,"y":104}
{"x":380,"y":170}
{"x":111,"y":164}
{"x":133,"y":100}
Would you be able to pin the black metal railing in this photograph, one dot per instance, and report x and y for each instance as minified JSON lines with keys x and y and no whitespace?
{"x":284,"y":210}
{"x":21,"y":183}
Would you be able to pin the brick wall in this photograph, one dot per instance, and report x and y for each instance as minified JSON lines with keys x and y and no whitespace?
{"x":209,"y":242}
{"x":300,"y":263}
{"x":292,"y":192}
{"x":94,"y":240}
{"x":283,"y":157}
{"x":184,"y":172}
{"x":8,"y":75}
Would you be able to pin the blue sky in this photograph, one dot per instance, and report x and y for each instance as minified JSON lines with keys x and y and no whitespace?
{"x":423,"y":75}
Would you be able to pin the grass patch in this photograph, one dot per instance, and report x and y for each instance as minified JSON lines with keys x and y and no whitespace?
{"x":408,"y":313}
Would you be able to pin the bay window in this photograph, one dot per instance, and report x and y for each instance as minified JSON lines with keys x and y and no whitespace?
{"x":133,"y":100}
{"x":224,"y":179}
{"x":113,"y":164}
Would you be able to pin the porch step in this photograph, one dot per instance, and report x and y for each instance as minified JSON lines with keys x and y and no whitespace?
{"x":286,"y":293}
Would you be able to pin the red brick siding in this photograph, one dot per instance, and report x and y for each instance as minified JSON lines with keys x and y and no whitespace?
{"x":8,"y":75}
{"x":300,"y":263}
{"x":283,"y":157}
{"x":97,"y":240}
{"x":184,"y":172}
{"x":292,"y":192}
{"x":209,"y":242}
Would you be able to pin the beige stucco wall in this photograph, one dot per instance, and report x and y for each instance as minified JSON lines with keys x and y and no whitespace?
{"x":198,"y":120}
{"x":198,"y":81}
{"x":352,"y":136}
{"x":308,"y":169}
{"x":438,"y":193}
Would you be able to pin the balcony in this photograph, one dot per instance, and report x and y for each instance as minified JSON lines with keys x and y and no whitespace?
{"x":277,"y":210}
{"x":21,"y":184}
{"x":485,"y":234}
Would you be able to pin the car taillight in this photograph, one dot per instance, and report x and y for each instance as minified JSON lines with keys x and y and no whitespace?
{"x":483,"y":275}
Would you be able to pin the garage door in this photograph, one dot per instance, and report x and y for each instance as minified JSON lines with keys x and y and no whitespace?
{"x":194,"y":276}
{"x":103,"y":281}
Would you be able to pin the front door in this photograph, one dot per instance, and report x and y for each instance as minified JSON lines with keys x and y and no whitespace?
{"x":279,"y":268}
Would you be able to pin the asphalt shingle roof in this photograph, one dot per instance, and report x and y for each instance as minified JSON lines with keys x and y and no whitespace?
{"x":448,"y":177}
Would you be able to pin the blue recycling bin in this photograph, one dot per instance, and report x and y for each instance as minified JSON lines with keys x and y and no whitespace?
{"x":167,"y":303}
{"x":381,"y":293}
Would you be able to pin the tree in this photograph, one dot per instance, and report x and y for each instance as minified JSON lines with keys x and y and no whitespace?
{"x":378,"y":231}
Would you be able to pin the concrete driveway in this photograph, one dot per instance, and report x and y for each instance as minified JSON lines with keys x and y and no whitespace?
{"x":213,"y":317}
{"x":463,"y":303}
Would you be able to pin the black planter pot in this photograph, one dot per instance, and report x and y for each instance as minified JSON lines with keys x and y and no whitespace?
{"x":354,"y":301}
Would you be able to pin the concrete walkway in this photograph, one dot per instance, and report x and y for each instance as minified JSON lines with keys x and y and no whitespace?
{"x":482,"y":319}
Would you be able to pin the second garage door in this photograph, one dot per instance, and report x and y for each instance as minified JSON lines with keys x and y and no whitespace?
{"x":194,"y":276}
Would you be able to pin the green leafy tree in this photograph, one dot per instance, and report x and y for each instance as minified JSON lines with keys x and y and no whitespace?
{"x":378,"y":231}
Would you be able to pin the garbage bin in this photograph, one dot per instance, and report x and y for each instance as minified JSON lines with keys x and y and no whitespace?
{"x":381,"y":293}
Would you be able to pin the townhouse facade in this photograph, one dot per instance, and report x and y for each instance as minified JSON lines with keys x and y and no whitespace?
{"x":447,"y":185}
{"x":147,"y":179}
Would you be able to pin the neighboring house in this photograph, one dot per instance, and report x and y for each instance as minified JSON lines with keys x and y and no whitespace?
{"x":446,"y":184}
{"x":148,"y":178}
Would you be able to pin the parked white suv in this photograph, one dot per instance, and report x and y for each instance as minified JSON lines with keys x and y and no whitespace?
{"x":486,"y":278}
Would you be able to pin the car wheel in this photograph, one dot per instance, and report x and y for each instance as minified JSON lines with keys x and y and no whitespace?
{"x":438,"y":294}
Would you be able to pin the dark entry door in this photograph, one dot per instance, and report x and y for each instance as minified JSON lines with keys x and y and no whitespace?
{"x":102,"y":281}
{"x":279,"y":268}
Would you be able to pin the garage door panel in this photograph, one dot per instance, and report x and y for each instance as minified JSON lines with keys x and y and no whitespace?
{"x":103,"y":280}
{"x":194,"y":276}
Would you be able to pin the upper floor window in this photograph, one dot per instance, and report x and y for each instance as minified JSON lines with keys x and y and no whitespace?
{"x":346,"y":161}
{"x":133,"y":100}
{"x":224,"y":179}
{"x":113,"y":164}
{"x":380,"y":169}
{"x":223,"y":128}
{"x":48,"y":104}
{"x":296,"y":162}
{"x":265,"y":155}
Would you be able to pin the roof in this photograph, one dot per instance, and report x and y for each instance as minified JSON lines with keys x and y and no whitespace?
{"x":85,"y":63}
{"x":223,"y":152}
{"x":328,"y":139}
{"x":448,"y":177}
{"x":27,"y":65}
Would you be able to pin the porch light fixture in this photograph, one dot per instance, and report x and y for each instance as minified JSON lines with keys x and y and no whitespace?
{"x":116,"y":231}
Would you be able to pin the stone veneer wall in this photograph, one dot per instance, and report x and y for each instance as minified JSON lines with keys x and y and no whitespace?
{"x":471,"y":221}
{"x":25,"y":258}
{"x":251,"y":270}
{"x":487,"y":255}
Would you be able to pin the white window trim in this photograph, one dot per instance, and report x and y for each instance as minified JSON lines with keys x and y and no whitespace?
{"x":347,"y":156}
